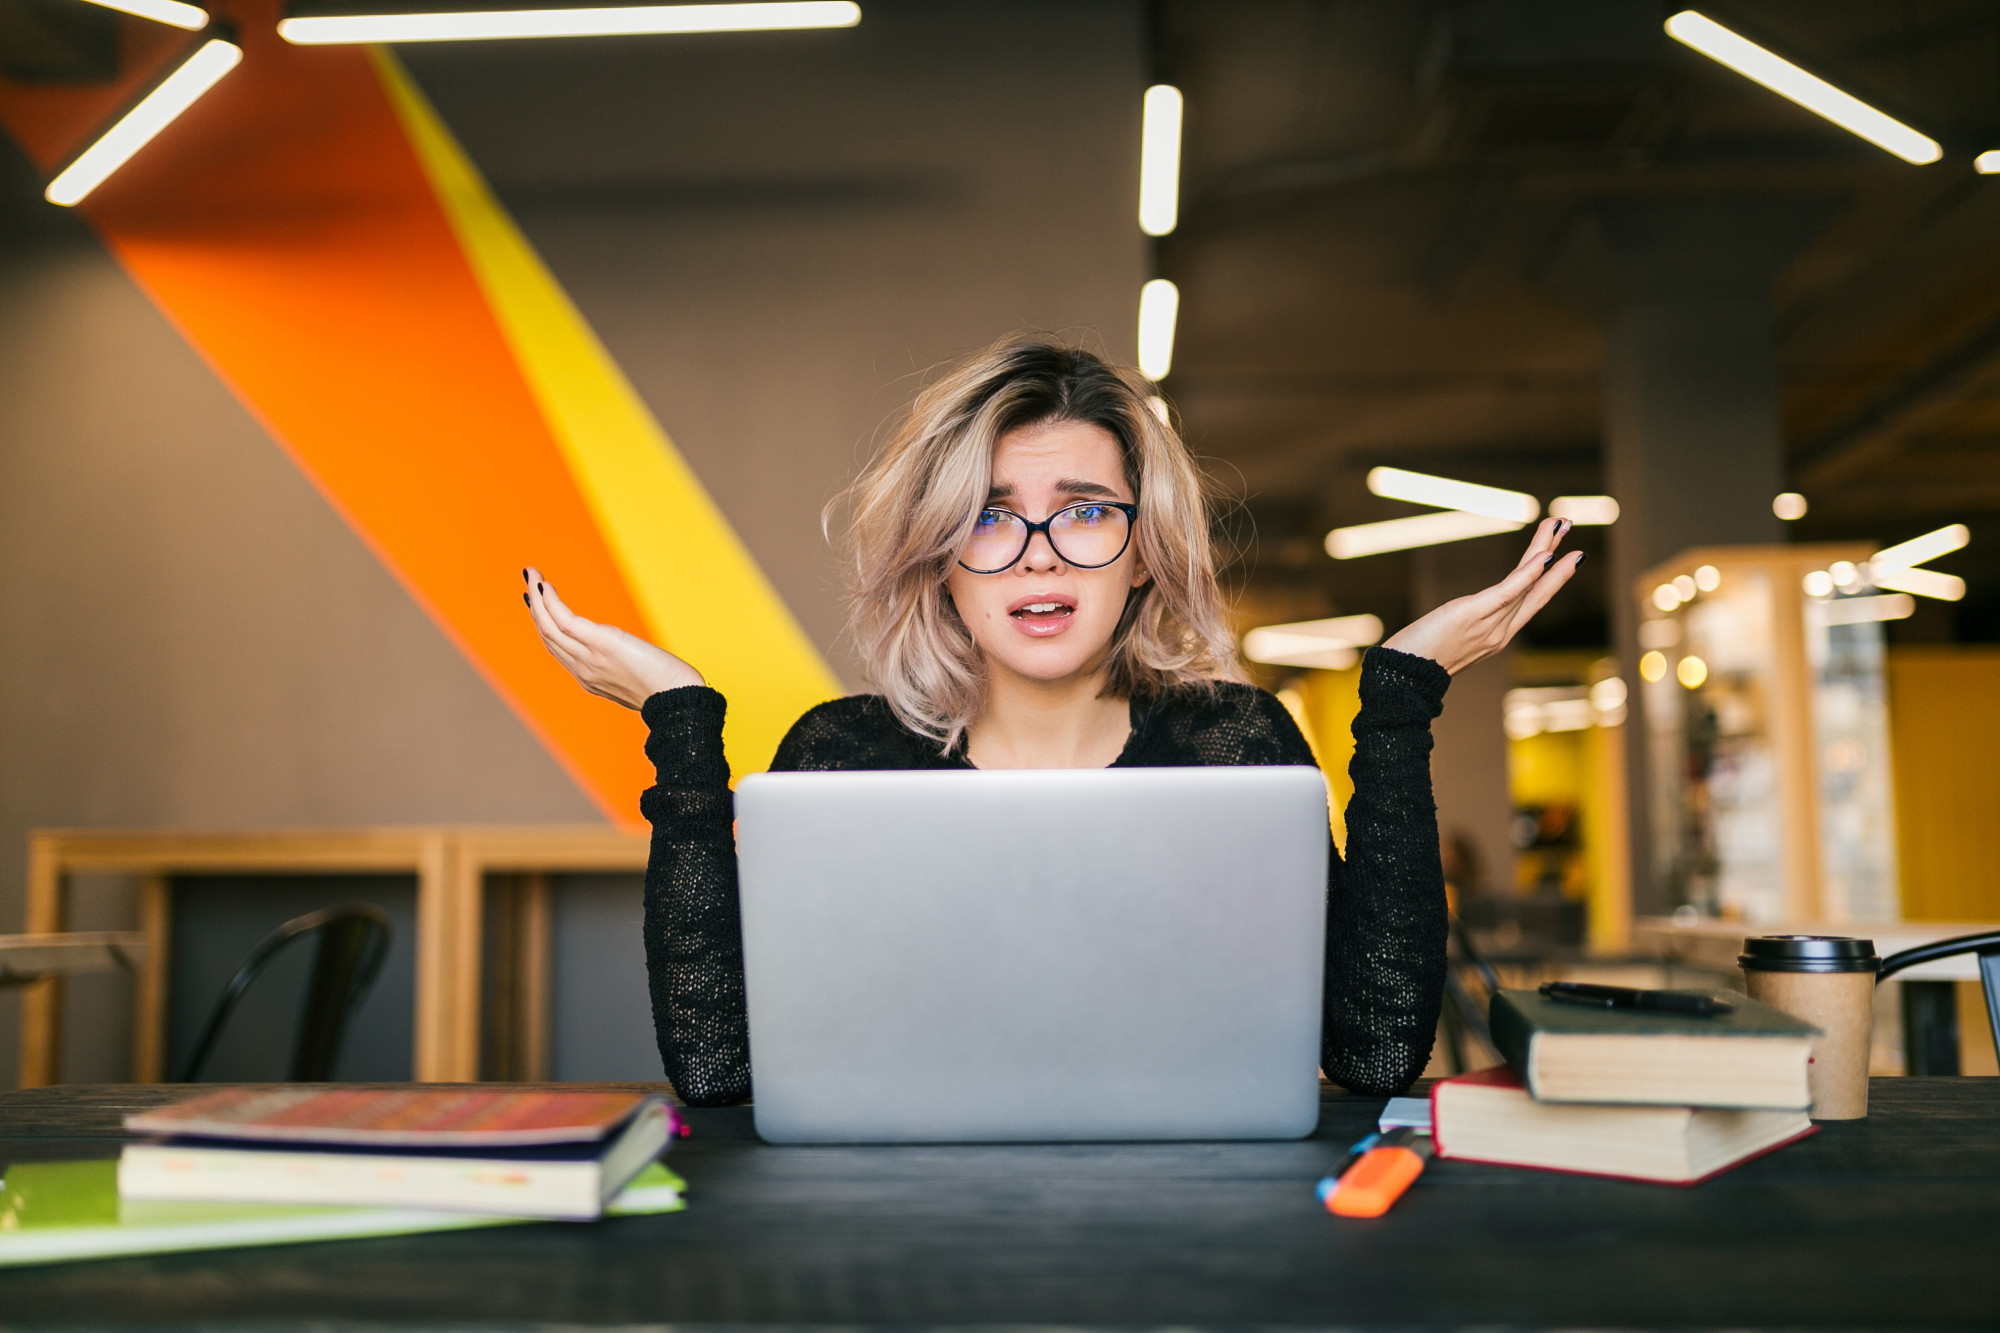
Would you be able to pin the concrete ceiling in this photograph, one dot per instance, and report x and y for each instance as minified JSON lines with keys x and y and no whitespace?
{"x":1375,"y":192}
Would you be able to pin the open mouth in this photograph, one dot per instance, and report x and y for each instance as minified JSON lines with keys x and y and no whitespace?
{"x":1042,"y":613}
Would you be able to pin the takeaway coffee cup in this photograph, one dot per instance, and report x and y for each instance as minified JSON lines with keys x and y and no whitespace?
{"x":1828,"y":981}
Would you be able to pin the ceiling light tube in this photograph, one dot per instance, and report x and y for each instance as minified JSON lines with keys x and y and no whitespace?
{"x":136,"y":128}
{"x":1585,"y":511}
{"x":1863,"y":610}
{"x":1922,"y":582}
{"x":1159,"y":307}
{"x":1160,"y":161}
{"x":1419,"y":488}
{"x":192,"y":17}
{"x":1919,"y":549}
{"x":1810,"y":91}
{"x":1402,"y":534}
{"x":319,"y":24}
{"x":1288,"y":645}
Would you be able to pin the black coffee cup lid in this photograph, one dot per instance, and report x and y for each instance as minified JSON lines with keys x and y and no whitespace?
{"x":1808,"y":953}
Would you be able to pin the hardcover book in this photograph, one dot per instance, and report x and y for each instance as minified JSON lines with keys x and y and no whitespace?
{"x":1754,"y":1056}
{"x":59,"y":1212}
{"x":429,"y":1150}
{"x":1488,"y":1116}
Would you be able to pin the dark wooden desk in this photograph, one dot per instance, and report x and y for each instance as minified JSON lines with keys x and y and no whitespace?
{"x":1891,"y":1221}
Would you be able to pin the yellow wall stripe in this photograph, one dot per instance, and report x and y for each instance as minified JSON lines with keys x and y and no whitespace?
{"x":701,"y":591}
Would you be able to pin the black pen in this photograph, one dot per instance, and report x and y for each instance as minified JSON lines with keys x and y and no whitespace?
{"x":1624,"y":997}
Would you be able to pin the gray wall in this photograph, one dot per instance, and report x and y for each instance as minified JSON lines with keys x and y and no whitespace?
{"x":774,"y":235}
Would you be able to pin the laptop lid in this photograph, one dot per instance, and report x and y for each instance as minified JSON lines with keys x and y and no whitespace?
{"x":1034,"y":955}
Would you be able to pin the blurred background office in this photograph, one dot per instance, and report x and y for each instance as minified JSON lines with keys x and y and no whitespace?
{"x":367,"y":321}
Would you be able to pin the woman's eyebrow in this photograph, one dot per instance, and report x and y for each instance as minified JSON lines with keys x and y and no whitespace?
{"x":1066,"y":486}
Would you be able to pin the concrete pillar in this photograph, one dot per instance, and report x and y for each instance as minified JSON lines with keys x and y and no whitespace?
{"x":1693,"y":446}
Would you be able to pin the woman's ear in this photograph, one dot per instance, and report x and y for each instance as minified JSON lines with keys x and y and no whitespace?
{"x":1139,"y":574}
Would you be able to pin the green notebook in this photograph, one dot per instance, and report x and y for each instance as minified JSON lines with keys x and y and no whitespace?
{"x":54,"y":1212}
{"x":1753,"y":1057}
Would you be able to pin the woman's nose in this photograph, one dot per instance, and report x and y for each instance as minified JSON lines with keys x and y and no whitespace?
{"x":1041,"y":553}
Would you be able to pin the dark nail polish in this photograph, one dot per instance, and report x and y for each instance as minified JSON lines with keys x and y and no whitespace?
{"x":1546,"y":563}
{"x":1581,"y":556}
{"x":524,"y":576}
{"x":525,"y":602}
{"x":539,"y":588}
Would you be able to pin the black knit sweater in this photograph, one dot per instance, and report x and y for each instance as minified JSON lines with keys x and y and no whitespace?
{"x":1385,"y":919}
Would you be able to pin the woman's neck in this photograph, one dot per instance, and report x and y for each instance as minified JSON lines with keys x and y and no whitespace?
{"x":1048,"y":724}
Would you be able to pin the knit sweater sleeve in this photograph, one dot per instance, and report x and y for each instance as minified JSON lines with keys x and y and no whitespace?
{"x":1386,"y":918}
{"x":693,"y":928}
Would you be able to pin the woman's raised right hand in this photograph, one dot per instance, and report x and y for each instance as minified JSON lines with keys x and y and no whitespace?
{"x":605,"y":660}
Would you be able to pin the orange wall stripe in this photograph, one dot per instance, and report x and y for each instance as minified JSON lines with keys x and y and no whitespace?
{"x":285,"y":226}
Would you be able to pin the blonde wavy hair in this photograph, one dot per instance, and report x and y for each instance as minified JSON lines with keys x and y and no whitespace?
{"x":914,"y":505}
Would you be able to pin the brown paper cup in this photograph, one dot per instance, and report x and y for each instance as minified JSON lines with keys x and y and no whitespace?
{"x":1842,"y":1006}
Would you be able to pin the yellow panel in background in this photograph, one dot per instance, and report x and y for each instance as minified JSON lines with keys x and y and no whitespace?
{"x":1944,"y":730}
{"x":701,"y":591}
{"x":1324,"y":703}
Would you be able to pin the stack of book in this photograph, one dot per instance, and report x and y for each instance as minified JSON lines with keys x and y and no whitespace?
{"x":264,"y":1166}
{"x":1635,"y":1093}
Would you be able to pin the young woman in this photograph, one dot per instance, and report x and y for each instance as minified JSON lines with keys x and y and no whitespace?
{"x":1033,"y":587}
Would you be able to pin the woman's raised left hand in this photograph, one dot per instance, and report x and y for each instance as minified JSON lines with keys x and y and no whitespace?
{"x":1471,"y":629}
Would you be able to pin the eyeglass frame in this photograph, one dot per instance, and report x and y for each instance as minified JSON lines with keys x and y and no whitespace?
{"x":1131,"y":521}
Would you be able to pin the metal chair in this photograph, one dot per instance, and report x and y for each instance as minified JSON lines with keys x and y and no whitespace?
{"x":1470,"y":983}
{"x":353,"y":941}
{"x":1930,"y":1009}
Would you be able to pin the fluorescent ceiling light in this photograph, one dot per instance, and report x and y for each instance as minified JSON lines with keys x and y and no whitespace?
{"x":1312,"y":643}
{"x":1585,"y":511}
{"x":1810,"y":91}
{"x":192,"y":17}
{"x":1159,"y":306}
{"x":1862,"y":610}
{"x":1919,"y":549}
{"x":1418,"y":488}
{"x":395,"y":23}
{"x":136,"y":128}
{"x":1296,"y":650}
{"x":1922,"y":582}
{"x":1987,"y":163}
{"x":1160,"y":161}
{"x":1401,"y":534}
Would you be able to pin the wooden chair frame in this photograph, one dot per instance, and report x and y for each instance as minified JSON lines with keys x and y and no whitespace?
{"x":451,"y":865}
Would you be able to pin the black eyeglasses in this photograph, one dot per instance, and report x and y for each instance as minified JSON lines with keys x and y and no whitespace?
{"x":1090,"y":535}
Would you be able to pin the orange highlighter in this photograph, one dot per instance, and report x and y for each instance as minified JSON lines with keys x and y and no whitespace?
{"x":1376,"y":1181}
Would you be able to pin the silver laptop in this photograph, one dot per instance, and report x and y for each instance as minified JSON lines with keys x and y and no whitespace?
{"x":1036,"y":955}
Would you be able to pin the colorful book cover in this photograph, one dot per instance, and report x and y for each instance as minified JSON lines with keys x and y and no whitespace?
{"x":58,"y":1212}
{"x":395,"y":1117}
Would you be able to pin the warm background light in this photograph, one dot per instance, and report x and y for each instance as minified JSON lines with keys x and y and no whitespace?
{"x":1791,"y":506}
{"x":1402,"y":534}
{"x":1653,"y":667}
{"x":1160,"y":161}
{"x":603,"y":21}
{"x":1810,"y":91}
{"x":1918,"y":550}
{"x":1328,"y":643}
{"x":157,"y":110}
{"x":1708,"y":578}
{"x":1691,"y":672}
{"x":1420,"y":488}
{"x":1159,"y":307}
{"x":1862,"y":610}
{"x":1585,"y":511}
{"x":192,"y":17}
